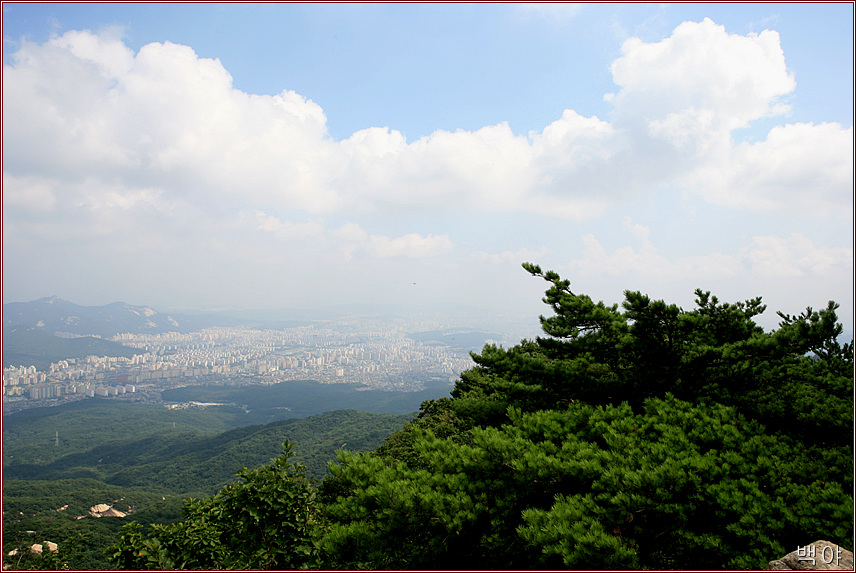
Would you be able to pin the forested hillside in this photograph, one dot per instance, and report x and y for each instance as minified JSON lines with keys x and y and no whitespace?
{"x":645,"y":436}
{"x":131,"y":456}
{"x":301,"y":398}
{"x":43,"y":435}
{"x":185,"y":460}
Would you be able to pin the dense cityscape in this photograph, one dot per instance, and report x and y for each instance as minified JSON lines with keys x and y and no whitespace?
{"x":376,"y":355}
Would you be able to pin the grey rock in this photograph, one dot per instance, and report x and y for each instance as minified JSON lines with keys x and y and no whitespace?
{"x":818,"y":556}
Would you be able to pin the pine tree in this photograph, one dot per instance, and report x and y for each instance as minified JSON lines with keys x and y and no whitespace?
{"x":643,"y":437}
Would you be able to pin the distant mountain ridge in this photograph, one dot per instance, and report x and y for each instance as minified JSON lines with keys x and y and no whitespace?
{"x":28,"y":346}
{"x":53,"y":314}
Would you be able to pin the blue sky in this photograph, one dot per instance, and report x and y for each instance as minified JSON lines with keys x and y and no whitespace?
{"x":281,"y":155}
{"x":419,"y":68}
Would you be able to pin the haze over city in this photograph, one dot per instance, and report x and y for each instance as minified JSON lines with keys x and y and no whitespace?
{"x":212,"y":156}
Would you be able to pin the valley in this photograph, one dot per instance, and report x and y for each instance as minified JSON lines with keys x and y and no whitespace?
{"x":145,"y":460}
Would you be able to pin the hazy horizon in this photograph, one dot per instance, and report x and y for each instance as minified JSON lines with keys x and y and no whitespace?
{"x":292,"y":156}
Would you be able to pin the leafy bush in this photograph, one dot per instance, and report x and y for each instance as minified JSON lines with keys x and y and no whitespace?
{"x":266,"y":521}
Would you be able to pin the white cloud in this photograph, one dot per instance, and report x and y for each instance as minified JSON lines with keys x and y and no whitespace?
{"x":643,"y":259}
{"x":800,"y":168}
{"x":762,"y":256}
{"x":795,"y":256}
{"x":106,"y":50}
{"x":155,"y":155}
{"x":28,"y":192}
{"x":84,"y":105}
{"x":350,"y":238}
{"x":484,"y":169}
{"x":512,"y":257}
{"x":287,"y":230}
{"x":168,"y":117}
{"x":789,"y":272}
{"x":701,"y":83}
{"x":55,"y":108}
{"x":409,"y":245}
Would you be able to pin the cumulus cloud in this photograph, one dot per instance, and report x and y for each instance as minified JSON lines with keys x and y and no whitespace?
{"x":287,"y":230}
{"x":802,"y":168}
{"x":106,"y":50}
{"x":701,"y":83}
{"x":512,"y":257}
{"x":409,"y":245}
{"x":790,"y":272}
{"x":157,"y":147}
{"x":643,"y":259}
{"x":762,"y":256}
{"x":795,"y":256}
{"x":484,"y":169}
{"x":350,"y":238}
{"x":84,"y":103}
{"x":28,"y":192}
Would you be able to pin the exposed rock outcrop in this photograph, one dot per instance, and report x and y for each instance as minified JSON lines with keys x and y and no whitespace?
{"x":47,"y":546}
{"x":38,"y":548}
{"x":104,"y":510}
{"x":818,"y":556}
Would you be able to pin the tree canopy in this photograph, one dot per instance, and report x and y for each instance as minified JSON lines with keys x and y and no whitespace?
{"x":645,"y":436}
{"x":264,"y":521}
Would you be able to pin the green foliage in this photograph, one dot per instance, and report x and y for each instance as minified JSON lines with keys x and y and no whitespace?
{"x":302,"y":398}
{"x":597,"y":354}
{"x":677,"y":486}
{"x":435,"y":416}
{"x":265,"y":521}
{"x":32,"y":498}
{"x":182,"y":460}
{"x":29,"y":436}
{"x":21,"y":554}
{"x":647,"y":437}
{"x":152,"y":474}
{"x":51,"y":510}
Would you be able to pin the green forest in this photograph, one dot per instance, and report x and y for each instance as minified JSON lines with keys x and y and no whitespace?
{"x":144,"y":460}
{"x":639,"y":436}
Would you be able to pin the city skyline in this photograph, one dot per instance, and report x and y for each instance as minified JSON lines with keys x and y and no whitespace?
{"x":372,"y":354}
{"x":201,"y":156}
